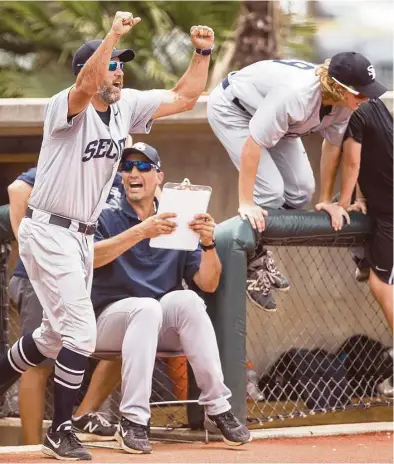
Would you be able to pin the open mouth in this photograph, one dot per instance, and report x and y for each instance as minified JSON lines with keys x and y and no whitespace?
{"x":135,"y":186}
{"x":118,"y":85}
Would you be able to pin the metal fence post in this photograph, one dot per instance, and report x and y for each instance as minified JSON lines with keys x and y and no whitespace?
{"x":4,"y":300}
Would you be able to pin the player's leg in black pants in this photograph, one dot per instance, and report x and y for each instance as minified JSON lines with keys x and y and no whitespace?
{"x":22,"y":355}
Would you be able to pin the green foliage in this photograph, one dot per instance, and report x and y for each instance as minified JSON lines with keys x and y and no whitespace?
{"x":297,"y":38}
{"x":38,"y":39}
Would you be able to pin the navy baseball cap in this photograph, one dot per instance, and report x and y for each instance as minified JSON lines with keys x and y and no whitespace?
{"x":356,"y":73}
{"x":143,"y":149}
{"x":86,"y":50}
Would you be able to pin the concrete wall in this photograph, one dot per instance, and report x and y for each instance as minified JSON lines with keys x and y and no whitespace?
{"x":185,"y":142}
{"x":189,"y":150}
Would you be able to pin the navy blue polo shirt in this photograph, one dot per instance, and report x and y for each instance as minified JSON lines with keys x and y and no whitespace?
{"x":113,"y":199}
{"x":29,"y":176}
{"x":141,"y":271}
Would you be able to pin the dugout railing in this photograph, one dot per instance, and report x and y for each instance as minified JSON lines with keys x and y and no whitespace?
{"x":304,"y":353}
{"x":326,"y":348}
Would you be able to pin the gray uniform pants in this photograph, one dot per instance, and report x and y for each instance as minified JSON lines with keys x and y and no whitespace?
{"x":29,"y":307}
{"x":284,"y":174}
{"x":59,"y":263}
{"x":141,"y":326}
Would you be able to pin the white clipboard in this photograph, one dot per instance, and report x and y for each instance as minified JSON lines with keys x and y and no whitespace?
{"x":185,"y":200}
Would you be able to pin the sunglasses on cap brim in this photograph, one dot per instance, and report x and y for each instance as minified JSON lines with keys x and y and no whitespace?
{"x":355,"y":92}
{"x":142,"y":166}
{"x":112,"y":66}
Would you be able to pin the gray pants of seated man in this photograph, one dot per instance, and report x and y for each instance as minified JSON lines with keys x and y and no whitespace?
{"x":141,"y":326}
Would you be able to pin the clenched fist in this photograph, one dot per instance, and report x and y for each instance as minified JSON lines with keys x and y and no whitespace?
{"x":202,"y":36}
{"x":123,"y":23}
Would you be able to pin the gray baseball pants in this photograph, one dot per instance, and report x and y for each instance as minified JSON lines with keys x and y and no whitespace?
{"x":284,"y":174}
{"x":141,"y":326}
{"x":59,"y":263}
{"x":30,"y":310}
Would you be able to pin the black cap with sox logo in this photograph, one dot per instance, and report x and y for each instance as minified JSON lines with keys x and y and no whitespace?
{"x":356,"y":73}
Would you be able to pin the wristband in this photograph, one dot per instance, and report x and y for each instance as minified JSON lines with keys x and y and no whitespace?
{"x":208,"y":247}
{"x":204,"y":51}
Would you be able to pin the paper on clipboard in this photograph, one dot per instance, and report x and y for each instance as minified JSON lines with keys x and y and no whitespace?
{"x":186,"y":200}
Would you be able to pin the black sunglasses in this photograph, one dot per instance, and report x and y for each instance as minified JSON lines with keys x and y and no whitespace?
{"x":142,"y":166}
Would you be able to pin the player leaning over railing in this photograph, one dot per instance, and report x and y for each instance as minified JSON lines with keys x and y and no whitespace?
{"x":259,"y":114}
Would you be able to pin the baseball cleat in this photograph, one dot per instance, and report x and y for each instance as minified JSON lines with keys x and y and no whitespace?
{"x":386,"y":388}
{"x":95,"y":423}
{"x":362,"y":269}
{"x":258,"y":289}
{"x":233,"y":431}
{"x":266,"y":262}
{"x":362,"y":274}
{"x":133,"y":437}
{"x":65,"y":446}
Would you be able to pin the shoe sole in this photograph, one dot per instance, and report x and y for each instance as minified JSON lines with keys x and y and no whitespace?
{"x":86,"y":436}
{"x":211,"y":427}
{"x":283,"y":290}
{"x":119,"y":439}
{"x":259,"y":306}
{"x":50,"y":452}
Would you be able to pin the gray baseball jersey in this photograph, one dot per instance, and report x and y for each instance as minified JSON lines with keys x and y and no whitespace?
{"x":77,"y":164}
{"x":276,"y":102}
{"x":283,"y":98}
{"x":79,"y":158}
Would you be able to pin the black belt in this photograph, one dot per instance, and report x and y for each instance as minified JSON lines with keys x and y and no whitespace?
{"x":87,"y":229}
{"x":225,"y":84}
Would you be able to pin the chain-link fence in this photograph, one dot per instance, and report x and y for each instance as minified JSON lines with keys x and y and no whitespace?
{"x":172,"y":385}
{"x":324,"y":349}
{"x":170,"y":399}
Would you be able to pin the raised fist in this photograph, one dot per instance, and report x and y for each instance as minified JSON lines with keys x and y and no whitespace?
{"x":202,"y":36}
{"x":123,"y":23}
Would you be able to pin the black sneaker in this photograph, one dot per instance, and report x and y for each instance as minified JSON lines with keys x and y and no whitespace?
{"x":277,"y":279}
{"x":65,"y":446}
{"x":362,"y":269}
{"x":133,"y":437}
{"x":234,"y":432}
{"x":258,"y":289}
{"x":95,"y":423}
{"x":386,"y":388}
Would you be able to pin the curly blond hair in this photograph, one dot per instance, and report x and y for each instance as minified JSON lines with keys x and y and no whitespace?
{"x":329,"y":88}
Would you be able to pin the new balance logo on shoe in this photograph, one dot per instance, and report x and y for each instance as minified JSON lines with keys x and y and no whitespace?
{"x":90,"y":427}
{"x":94,"y":423}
